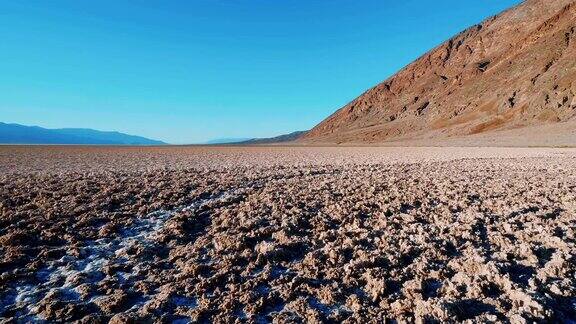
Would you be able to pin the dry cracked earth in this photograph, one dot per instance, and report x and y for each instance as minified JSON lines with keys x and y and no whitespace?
{"x":287,"y":234}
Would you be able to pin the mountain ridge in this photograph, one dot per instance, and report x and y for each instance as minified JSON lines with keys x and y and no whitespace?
{"x":285,"y":138}
{"x":512,"y":70}
{"x":11,"y":133}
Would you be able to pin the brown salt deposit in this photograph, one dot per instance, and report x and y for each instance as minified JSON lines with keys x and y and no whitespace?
{"x":287,"y":234}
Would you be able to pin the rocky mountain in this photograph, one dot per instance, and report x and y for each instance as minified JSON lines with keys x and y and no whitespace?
{"x":514,"y":70}
{"x":20,"y":134}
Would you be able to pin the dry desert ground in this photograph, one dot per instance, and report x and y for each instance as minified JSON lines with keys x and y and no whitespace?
{"x":287,"y":234}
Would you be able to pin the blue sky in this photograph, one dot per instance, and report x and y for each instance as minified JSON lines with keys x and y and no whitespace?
{"x":190,"y":71}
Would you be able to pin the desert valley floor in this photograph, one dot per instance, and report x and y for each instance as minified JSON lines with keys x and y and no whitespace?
{"x":287,"y":234}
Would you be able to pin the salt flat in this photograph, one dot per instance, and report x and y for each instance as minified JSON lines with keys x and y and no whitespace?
{"x":264,"y":234}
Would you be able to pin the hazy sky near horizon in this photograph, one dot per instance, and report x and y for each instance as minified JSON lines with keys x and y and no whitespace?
{"x":191,"y":71}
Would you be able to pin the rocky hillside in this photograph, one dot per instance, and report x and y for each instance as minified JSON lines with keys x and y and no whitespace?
{"x":513,"y":70}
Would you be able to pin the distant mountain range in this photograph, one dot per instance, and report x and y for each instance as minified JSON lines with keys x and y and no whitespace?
{"x":20,"y":134}
{"x":278,"y":139}
{"x":249,"y":141}
{"x":226,"y":141}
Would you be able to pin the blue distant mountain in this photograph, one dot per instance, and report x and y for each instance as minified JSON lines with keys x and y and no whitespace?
{"x":20,"y":134}
{"x":275,"y":140}
{"x":226,"y":141}
{"x":251,"y":141}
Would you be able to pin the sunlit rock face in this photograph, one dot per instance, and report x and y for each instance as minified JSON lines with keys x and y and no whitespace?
{"x":513,"y":70}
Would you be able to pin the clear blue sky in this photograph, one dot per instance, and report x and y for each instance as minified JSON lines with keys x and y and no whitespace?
{"x":190,"y":71}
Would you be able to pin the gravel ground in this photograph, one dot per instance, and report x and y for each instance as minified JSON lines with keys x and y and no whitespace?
{"x":286,"y":234}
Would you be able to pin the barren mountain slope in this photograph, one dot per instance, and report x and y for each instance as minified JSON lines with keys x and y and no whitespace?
{"x":513,"y":70}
